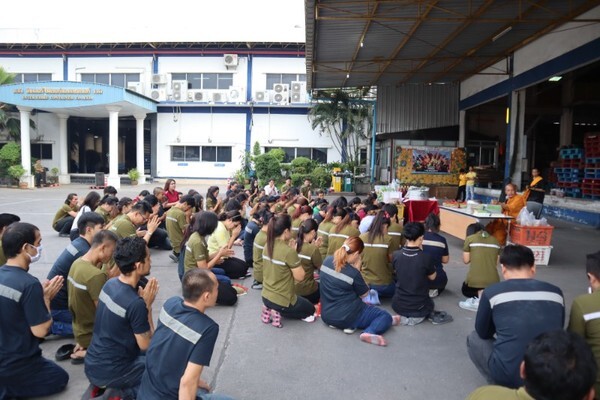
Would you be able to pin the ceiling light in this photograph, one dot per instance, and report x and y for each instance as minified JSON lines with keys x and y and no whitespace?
{"x":361,"y":44}
{"x":347,"y":76}
{"x":504,"y":32}
{"x":555,"y":79}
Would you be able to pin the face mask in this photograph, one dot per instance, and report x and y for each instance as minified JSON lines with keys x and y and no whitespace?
{"x":37,"y":257}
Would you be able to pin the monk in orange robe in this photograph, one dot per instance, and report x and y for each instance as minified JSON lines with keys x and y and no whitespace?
{"x":512,"y":207}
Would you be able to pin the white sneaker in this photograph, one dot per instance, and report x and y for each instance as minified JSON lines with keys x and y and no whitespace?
{"x":471,"y":304}
{"x":349,"y":331}
{"x":433,"y":293}
{"x":310,"y":318}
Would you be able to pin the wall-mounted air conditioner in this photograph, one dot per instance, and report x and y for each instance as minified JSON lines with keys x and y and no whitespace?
{"x":230,"y":60}
{"x":298,"y":92}
{"x":281,"y":93}
{"x":136,"y":87}
{"x":262,"y":96}
{"x":159,"y":79}
{"x":219,"y":97}
{"x":236,"y":94}
{"x":198,"y":96}
{"x":180,"y":89}
{"x":158,"y":94}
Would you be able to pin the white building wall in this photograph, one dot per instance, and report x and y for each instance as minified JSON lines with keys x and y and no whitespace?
{"x":31,"y":65}
{"x":477,"y":83}
{"x":261,"y":66}
{"x":121,"y":65}
{"x":47,"y":132}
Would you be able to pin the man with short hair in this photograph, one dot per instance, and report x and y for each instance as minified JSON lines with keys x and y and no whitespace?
{"x":585,"y":311}
{"x":84,"y":284}
{"x":25,"y":319}
{"x":183,"y":343}
{"x":510,"y":314}
{"x":306,"y":189}
{"x":139,"y":215}
{"x":271,"y":189}
{"x":106,"y":208}
{"x":123,"y":326}
{"x":287,"y":185}
{"x":557,"y":365}
{"x":177,"y":219}
{"x":89,"y":224}
{"x":160,"y":237}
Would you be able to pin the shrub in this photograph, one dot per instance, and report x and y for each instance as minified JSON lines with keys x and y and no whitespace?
{"x":267,"y":167}
{"x":279,"y":154}
{"x":320,"y":178}
{"x":256,"y":149}
{"x":10,"y":154}
{"x":302,"y":165}
{"x":16,"y":171}
{"x":297,"y":179}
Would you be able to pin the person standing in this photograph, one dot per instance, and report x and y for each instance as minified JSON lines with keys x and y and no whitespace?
{"x":511,"y":313}
{"x":535,"y":191}
{"x":25,"y":319}
{"x":470,"y":186}
{"x":462,"y":185}
{"x":40,"y":174}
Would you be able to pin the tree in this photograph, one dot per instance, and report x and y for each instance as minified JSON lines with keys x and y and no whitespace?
{"x":345,"y":117}
{"x":8,"y":121}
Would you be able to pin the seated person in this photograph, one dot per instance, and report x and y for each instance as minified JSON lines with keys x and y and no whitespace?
{"x":481,"y":250}
{"x":128,"y":225}
{"x":436,"y":246}
{"x":512,"y":207}
{"x":106,"y":208}
{"x":160,"y":237}
{"x":307,"y":247}
{"x":557,"y":365}
{"x":176,"y":221}
{"x":377,"y":257}
{"x":89,"y":225}
{"x":123,"y":326}
{"x":174,"y":363}
{"x":511,"y":313}
{"x":228,"y":229}
{"x":25,"y":319}
{"x":414,"y":269}
{"x":585,"y":311}
{"x":5,"y":220}
{"x":84,"y":283}
{"x":64,"y":217}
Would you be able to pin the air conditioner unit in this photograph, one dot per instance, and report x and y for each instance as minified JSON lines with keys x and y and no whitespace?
{"x":135,"y":87}
{"x":230,"y":60}
{"x":281,"y":93}
{"x":262,"y":96}
{"x":298,"y":92}
{"x":159,"y":79}
{"x":198,"y":96}
{"x":158,"y":94}
{"x":219,"y":97}
{"x":236,"y":94}
{"x":180,"y":89}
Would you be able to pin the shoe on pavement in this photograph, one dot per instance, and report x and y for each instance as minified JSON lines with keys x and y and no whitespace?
{"x":256,"y":285}
{"x":173,"y":257}
{"x":349,"y":331}
{"x":440,"y":317}
{"x":433,"y":293}
{"x":373,"y":339}
{"x":471,"y":304}
{"x":310,"y":318}
{"x":411,"y":321}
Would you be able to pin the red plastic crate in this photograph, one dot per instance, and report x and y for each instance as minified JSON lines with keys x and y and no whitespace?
{"x":531,"y":235}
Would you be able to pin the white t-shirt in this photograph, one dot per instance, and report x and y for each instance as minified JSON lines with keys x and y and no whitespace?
{"x":270,"y":191}
{"x":82,"y":210}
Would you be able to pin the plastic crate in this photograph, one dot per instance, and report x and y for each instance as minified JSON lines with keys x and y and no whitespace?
{"x":531,"y":235}
{"x":540,"y":253}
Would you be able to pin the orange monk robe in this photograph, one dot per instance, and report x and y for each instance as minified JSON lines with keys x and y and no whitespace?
{"x":498,"y":227}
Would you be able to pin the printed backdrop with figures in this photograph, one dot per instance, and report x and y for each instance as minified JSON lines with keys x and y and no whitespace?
{"x":431,"y":160}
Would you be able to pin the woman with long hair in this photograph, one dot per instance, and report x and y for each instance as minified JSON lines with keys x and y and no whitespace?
{"x":341,"y":230}
{"x":377,"y":256}
{"x":301,"y":214}
{"x":213,"y":201}
{"x":89,"y":205}
{"x":263,"y":216}
{"x":323,"y":231}
{"x":342,"y":290}
{"x":281,"y":268}
{"x":170,"y":193}
{"x":307,"y":247}
{"x":228,"y":228}
{"x":436,"y":246}
{"x":395,"y":228}
{"x":195,"y":254}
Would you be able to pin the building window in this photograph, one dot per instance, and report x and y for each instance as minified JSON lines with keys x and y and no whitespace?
{"x":41,"y":151}
{"x":24,"y":78}
{"x":185,"y":153}
{"x":220,"y":81}
{"x":209,"y":153}
{"x":121,"y":80}
{"x":216,"y":153}
{"x":362,"y":157}
{"x":318,"y":154}
{"x":273,"y":79}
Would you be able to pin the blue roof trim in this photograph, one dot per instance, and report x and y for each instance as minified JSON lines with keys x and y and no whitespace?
{"x":224,"y":109}
{"x":577,"y":57}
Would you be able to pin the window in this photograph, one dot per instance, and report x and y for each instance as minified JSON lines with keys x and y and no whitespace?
{"x":209,"y":153}
{"x":121,"y":80}
{"x":185,"y":153}
{"x":41,"y":151}
{"x":216,"y":153}
{"x":284,"y":78}
{"x":362,"y":157}
{"x":317,"y":154}
{"x":24,"y":78}
{"x":220,"y":81}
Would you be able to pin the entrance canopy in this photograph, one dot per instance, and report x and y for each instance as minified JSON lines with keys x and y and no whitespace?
{"x":79,"y":99}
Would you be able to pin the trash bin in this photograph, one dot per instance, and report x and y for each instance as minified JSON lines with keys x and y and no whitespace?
{"x":336,"y":180}
{"x":348,"y":182}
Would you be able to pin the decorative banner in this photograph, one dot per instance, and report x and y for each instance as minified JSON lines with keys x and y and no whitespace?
{"x":431,"y":160}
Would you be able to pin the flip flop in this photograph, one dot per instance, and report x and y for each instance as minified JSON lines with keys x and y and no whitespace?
{"x":77,"y":360}
{"x":64,"y":352}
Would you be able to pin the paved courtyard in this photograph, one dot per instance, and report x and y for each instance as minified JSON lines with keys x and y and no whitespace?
{"x":311,"y":361}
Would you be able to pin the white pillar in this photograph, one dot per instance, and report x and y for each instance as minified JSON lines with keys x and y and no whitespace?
{"x":462,"y":128}
{"x":113,"y":146}
{"x":63,"y":175}
{"x":139,"y":145}
{"x":26,"y":146}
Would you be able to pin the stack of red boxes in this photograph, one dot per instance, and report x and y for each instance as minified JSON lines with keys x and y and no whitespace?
{"x":591,"y":182}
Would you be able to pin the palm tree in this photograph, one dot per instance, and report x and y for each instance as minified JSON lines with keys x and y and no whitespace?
{"x":8,"y":121}
{"x":345,"y":117}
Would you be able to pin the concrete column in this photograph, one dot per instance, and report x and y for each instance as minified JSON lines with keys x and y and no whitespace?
{"x":25,"y":114}
{"x":520,"y":140}
{"x":139,"y":145}
{"x":462,"y":128}
{"x":566,"y":118}
{"x":113,"y":146}
{"x":64,"y":154}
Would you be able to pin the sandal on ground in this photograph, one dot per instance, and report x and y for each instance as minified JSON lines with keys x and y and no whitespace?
{"x":265,"y":315}
{"x":77,"y":358}
{"x":276,"y":319}
{"x":64,"y":352}
{"x":373,"y":339}
{"x":440,"y":317}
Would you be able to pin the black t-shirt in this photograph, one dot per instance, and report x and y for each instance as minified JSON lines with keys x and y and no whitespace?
{"x":412,"y":267}
{"x":251,"y":230}
{"x":340,"y":294}
{"x":516,"y":311}
{"x":62,"y":266}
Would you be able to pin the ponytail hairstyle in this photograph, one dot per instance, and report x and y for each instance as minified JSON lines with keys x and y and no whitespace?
{"x":123,"y":202}
{"x":350,"y":246}
{"x":264,"y":216}
{"x":382,"y":219}
{"x":233,"y":215}
{"x":329,"y":214}
{"x":277,"y":225}
{"x":344,"y":215}
{"x":301,"y":201}
{"x":340,"y":202}
{"x":306,"y":227}
{"x":302,"y":210}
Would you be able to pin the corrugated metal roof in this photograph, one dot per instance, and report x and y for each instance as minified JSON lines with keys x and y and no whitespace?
{"x":421,"y":41}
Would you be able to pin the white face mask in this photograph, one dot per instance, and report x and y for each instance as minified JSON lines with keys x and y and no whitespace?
{"x":37,"y":257}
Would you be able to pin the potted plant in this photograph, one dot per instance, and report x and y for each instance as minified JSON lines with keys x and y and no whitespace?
{"x":134,"y":175}
{"x":16,"y":172}
{"x":53,"y":178}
